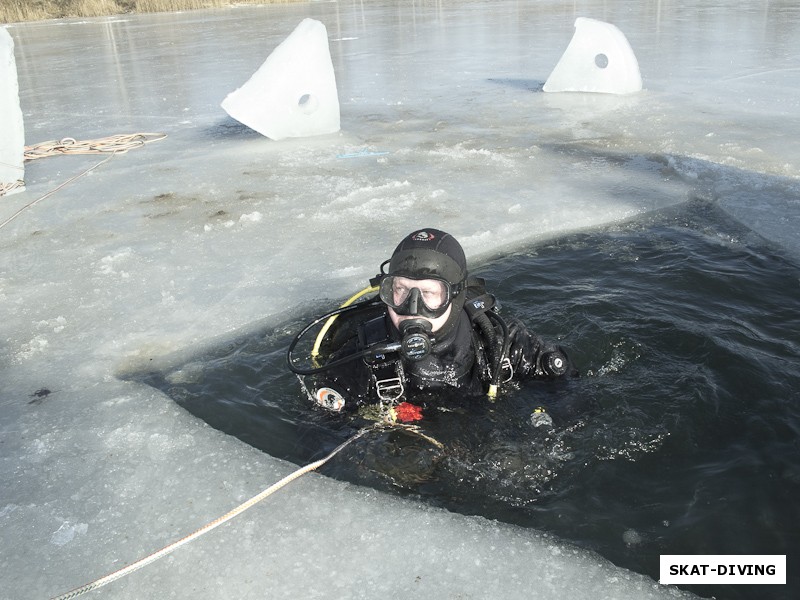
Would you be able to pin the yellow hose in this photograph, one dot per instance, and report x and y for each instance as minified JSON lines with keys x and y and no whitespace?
{"x":329,"y":322}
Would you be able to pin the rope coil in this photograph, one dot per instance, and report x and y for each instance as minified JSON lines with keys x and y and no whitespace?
{"x":115,"y":144}
{"x":6,"y":188}
{"x":119,"y":144}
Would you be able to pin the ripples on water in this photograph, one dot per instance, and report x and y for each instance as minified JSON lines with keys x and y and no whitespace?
{"x":681,"y":436}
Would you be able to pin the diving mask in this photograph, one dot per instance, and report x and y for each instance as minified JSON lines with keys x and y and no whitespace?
{"x":428,"y":298}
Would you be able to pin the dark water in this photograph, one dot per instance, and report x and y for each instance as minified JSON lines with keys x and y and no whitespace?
{"x":682,"y":436}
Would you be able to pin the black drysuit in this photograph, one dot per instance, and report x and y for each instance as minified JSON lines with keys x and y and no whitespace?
{"x":464,"y":359}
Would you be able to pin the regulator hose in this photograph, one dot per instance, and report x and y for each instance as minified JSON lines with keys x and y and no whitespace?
{"x":332,"y":317}
{"x":494,"y":386}
{"x":372,"y":350}
{"x":490,"y":333}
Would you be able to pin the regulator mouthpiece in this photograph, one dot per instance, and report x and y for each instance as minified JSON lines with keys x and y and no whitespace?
{"x":416,"y":342}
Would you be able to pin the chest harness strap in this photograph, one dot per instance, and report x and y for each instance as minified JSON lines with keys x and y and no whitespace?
{"x":386,"y":371}
{"x":388,"y":378}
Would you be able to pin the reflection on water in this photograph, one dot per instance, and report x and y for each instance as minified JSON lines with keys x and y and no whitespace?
{"x":680,"y":437}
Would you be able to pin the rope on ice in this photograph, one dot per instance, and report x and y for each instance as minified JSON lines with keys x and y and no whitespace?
{"x":206,"y":528}
{"x":115,"y":144}
{"x":118,"y":144}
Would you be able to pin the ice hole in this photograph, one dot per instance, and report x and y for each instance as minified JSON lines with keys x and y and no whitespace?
{"x":307,"y":104}
{"x":601,"y":60}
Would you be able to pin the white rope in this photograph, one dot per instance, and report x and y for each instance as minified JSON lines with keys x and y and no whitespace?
{"x":53,"y":191}
{"x":205,"y":529}
{"x":119,"y":144}
{"x":115,"y":144}
{"x":7,"y":188}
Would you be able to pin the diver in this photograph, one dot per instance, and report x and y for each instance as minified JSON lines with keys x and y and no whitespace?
{"x":425,"y":328}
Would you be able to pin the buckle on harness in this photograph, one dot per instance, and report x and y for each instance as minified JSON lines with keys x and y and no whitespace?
{"x":390,"y":389}
{"x":506,"y":365}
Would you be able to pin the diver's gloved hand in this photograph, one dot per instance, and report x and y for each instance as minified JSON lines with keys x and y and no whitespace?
{"x":540,"y":418}
{"x":530,"y":357}
{"x":523,"y":350}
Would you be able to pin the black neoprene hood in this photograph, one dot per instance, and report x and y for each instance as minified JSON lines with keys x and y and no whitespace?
{"x":429,"y":253}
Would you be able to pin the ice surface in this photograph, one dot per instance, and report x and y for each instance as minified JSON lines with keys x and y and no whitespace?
{"x":12,"y":129}
{"x":293,"y":94}
{"x":217,"y":231}
{"x":598,"y":59}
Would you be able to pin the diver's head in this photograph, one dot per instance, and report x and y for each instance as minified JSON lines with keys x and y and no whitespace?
{"x":426,"y":280}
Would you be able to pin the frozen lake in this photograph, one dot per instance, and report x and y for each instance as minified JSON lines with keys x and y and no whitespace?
{"x":216,"y":231}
